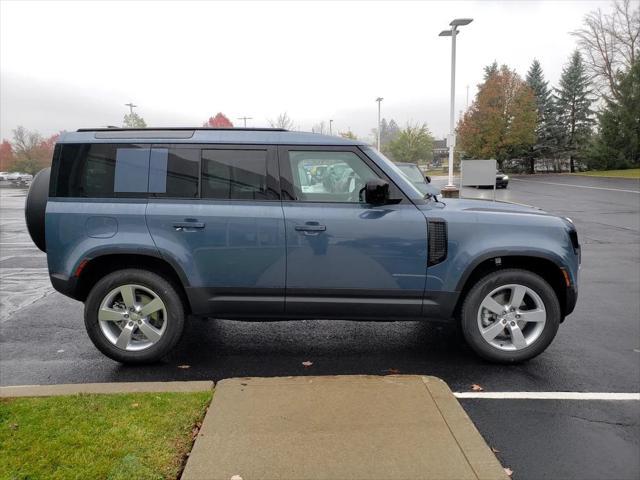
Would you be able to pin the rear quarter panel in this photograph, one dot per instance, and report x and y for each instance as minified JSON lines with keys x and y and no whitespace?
{"x":78,"y":229}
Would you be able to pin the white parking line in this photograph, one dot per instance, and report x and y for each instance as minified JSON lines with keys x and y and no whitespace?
{"x":577,"y":186}
{"x":549,"y":395}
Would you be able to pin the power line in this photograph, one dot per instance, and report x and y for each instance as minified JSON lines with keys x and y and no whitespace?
{"x":131,"y":106}
{"x":244,"y":119}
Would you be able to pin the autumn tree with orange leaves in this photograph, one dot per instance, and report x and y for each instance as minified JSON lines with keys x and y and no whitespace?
{"x":219,"y":121}
{"x":7,"y":158}
{"x":501,"y":121}
{"x":29,"y":152}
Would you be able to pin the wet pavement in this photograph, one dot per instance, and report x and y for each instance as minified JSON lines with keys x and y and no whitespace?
{"x":23,"y":268}
{"x":42,"y":340}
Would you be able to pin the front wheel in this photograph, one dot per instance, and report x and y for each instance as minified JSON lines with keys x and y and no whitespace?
{"x":510,"y":316}
{"x":134,"y":316}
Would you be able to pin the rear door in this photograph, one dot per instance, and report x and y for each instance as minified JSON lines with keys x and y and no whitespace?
{"x":219,"y":217}
{"x":346,"y":258}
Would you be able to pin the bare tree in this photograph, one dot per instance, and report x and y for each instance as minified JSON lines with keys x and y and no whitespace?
{"x":320,"y":128}
{"x":283,"y":121}
{"x":610,"y":44}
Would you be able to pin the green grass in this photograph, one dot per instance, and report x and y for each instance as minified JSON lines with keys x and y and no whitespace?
{"x":629,"y":173}
{"x":114,"y":437}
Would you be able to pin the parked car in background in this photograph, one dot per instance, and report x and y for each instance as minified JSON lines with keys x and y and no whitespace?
{"x":415,"y":176}
{"x":19,"y":177}
{"x":152,"y":227}
{"x":502,"y":180}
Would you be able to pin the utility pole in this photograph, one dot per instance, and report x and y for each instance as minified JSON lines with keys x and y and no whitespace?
{"x":379,"y":100}
{"x":451,"y":140}
{"x":330,"y":127}
{"x":131,"y":106}
{"x":244,"y":119}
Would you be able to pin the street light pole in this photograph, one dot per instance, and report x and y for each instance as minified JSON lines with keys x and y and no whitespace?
{"x":451,"y":140}
{"x":452,"y":105}
{"x":379,"y":100}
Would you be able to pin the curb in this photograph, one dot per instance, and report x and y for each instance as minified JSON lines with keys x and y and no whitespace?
{"x":104,"y":388}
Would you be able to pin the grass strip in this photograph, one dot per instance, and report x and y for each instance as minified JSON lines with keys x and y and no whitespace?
{"x":629,"y":173}
{"x":87,"y":436}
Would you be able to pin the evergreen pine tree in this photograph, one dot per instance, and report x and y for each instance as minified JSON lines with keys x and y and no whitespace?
{"x":490,"y":70}
{"x":546,"y":122}
{"x":573,"y":100}
{"x":618,"y":142}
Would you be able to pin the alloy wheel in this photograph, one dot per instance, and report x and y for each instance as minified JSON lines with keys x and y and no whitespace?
{"x":511,"y":317}
{"x":132,"y":317}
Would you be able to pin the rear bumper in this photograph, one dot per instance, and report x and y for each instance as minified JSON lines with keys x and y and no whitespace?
{"x":65,"y":285}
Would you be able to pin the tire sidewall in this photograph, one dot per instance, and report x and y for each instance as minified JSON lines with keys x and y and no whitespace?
{"x":164,"y":289}
{"x":469,"y":315}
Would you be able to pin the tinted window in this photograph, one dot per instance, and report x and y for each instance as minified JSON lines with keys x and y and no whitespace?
{"x":328,"y":176}
{"x":132,"y":169}
{"x":235,"y":174}
{"x":182,"y":166}
{"x":100,"y":170}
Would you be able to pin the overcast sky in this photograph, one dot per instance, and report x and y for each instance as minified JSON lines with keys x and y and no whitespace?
{"x":66,"y":65}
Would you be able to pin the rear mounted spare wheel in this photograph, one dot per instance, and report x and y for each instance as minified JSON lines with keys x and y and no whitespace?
{"x":35,"y":207}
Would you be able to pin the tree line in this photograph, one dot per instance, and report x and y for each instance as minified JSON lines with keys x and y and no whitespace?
{"x":591,"y":119}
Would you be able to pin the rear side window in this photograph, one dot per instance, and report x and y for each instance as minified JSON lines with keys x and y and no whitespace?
{"x":235,"y":174}
{"x":100,"y":170}
{"x":112,"y":170}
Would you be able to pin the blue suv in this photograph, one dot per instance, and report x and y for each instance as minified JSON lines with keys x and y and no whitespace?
{"x":150,"y":227}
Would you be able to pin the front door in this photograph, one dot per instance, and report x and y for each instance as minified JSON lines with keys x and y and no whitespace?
{"x":346,"y":258}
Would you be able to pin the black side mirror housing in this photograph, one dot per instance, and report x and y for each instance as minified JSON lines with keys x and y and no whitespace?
{"x":376,"y":192}
{"x":427,"y":178}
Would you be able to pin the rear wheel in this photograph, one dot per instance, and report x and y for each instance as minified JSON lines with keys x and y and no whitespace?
{"x":510,"y":316}
{"x":134,"y":316}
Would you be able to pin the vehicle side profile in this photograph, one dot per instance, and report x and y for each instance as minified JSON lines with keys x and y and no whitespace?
{"x":150,"y":227}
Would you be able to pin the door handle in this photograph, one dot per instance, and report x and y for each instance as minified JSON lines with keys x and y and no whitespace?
{"x":310,"y":228}
{"x":180,"y":226}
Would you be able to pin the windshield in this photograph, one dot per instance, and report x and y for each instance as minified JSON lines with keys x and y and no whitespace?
{"x":407,"y":186}
{"x":412,"y":172}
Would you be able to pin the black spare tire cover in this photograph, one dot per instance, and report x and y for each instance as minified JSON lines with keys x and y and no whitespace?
{"x":35,"y":207}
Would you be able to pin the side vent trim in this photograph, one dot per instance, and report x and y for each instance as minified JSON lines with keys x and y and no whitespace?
{"x":437,"y":241}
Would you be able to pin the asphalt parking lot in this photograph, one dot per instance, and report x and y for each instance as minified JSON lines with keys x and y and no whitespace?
{"x":42,"y":341}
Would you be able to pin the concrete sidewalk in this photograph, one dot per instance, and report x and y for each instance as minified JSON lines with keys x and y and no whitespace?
{"x":347,"y":427}
{"x":103,"y":388}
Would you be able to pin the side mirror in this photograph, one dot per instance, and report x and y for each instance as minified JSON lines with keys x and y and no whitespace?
{"x":427,"y":178}
{"x":376,"y":192}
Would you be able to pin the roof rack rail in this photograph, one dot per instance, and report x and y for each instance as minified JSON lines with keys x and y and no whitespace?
{"x":110,"y":129}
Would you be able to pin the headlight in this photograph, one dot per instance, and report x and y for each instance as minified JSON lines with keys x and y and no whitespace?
{"x":506,"y":177}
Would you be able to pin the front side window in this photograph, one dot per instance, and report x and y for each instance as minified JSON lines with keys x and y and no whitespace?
{"x":328,"y":176}
{"x":235,"y":174}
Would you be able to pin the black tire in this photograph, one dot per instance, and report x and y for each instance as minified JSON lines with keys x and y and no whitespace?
{"x":35,"y":206}
{"x":167,"y":293}
{"x":474,"y":298}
